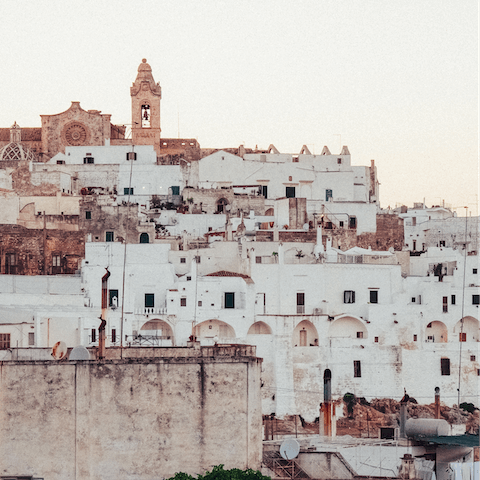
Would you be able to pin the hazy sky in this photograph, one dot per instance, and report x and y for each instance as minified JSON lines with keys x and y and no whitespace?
{"x":395,"y":81}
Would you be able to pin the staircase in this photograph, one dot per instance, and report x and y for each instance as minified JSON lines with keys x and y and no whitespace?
{"x":287,"y":469}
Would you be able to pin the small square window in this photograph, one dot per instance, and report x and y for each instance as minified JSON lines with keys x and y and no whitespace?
{"x":357,"y":369}
{"x":4,"y":341}
{"x":475,"y":299}
{"x":31,"y":338}
{"x":88,"y":160}
{"x":475,"y":271}
{"x":453,"y":299}
{"x":359,"y":334}
{"x":258,"y":259}
{"x":472,"y":358}
{"x":340,"y":223}
{"x":414,"y":337}
{"x":462,"y":337}
{"x":414,"y":299}
{"x":373,"y":296}
{"x":339,"y":161}
{"x":376,"y":339}
{"x":183,"y":260}
{"x":113,"y":298}
{"x":290,"y":192}
{"x":131,"y":155}
{"x":128,"y":191}
{"x":109,"y":236}
{"x":199,"y":303}
{"x":183,"y":302}
{"x":189,"y":279}
{"x":88,"y":215}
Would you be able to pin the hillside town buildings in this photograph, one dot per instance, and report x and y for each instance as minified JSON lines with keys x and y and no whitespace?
{"x":155,"y":242}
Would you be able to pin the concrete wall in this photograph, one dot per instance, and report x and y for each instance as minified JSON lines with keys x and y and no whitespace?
{"x":135,"y":418}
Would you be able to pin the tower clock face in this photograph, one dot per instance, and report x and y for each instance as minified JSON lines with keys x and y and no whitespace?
{"x":75,"y":134}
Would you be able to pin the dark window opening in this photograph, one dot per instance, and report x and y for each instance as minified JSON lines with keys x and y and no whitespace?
{"x":183,"y":260}
{"x":442,"y":243}
{"x":475,"y":299}
{"x":109,"y":236}
{"x":146,"y":116}
{"x":149,"y":300}
{"x":88,"y":160}
{"x":175,"y":190}
{"x":462,"y":337}
{"x":113,"y":298}
{"x":453,"y":299}
{"x":265,"y":191}
{"x":10,"y":263}
{"x":445,"y":366}
{"x":131,"y":155}
{"x":373,"y":296}
{"x":94,"y":335}
{"x":328,"y":194}
{"x":475,"y":270}
{"x":340,"y":223}
{"x":128,"y":191}
{"x":472,"y":358}
{"x":114,"y":335}
{"x":445,"y":304}
{"x":348,"y":296}
{"x":144,"y":238}
{"x":300,"y":302}
{"x":229,"y":300}
{"x":359,"y":334}
{"x":183,"y":302}
{"x":376,"y":339}
{"x":414,"y":337}
{"x":31,"y":339}
{"x":357,"y":369}
{"x":290,"y":192}
{"x":352,"y":222}
{"x":4,"y":341}
{"x":189,"y":278}
{"x":339,"y":161}
{"x":88,"y":215}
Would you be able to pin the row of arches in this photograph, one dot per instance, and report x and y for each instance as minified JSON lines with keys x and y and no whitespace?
{"x":305,"y":333}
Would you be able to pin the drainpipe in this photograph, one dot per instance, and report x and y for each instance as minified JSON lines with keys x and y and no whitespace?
{"x":437,"y":402}
{"x":103,"y":324}
{"x":44,"y":244}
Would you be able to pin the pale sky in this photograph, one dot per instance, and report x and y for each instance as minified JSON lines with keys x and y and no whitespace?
{"x":395,"y":81}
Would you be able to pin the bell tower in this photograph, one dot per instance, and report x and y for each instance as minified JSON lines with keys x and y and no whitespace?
{"x":146,"y":96}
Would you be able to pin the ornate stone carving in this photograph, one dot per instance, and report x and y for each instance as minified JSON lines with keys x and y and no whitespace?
{"x":75,"y":134}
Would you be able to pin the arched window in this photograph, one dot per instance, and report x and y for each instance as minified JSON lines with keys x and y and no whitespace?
{"x":144,"y":238}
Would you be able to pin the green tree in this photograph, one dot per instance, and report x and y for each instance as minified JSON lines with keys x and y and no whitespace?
{"x":218,"y":473}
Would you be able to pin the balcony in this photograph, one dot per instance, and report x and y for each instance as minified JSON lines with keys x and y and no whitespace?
{"x":151,"y":311}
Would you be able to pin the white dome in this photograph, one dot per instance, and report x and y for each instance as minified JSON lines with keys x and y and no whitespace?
{"x":17,"y":152}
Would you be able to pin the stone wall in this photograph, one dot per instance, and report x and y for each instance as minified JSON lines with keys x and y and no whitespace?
{"x":33,"y":249}
{"x":133,"y":418}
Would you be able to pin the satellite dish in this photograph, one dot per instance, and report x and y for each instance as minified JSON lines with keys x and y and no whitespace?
{"x":59,"y":350}
{"x":289,"y":449}
{"x":79,"y":353}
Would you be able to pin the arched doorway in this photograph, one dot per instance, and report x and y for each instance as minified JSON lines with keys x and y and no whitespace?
{"x":221,"y":205}
{"x":305,"y":335}
{"x":215,"y":331}
{"x":155,"y":332}
{"x":436,"y":332}
{"x":259,"y":328}
{"x":469,"y":332}
{"x":144,"y":238}
{"x":347,"y":327}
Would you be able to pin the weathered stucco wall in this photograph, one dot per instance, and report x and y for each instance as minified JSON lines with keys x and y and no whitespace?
{"x":134,"y":418}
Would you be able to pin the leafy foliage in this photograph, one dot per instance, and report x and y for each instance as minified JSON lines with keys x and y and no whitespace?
{"x":218,"y":473}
